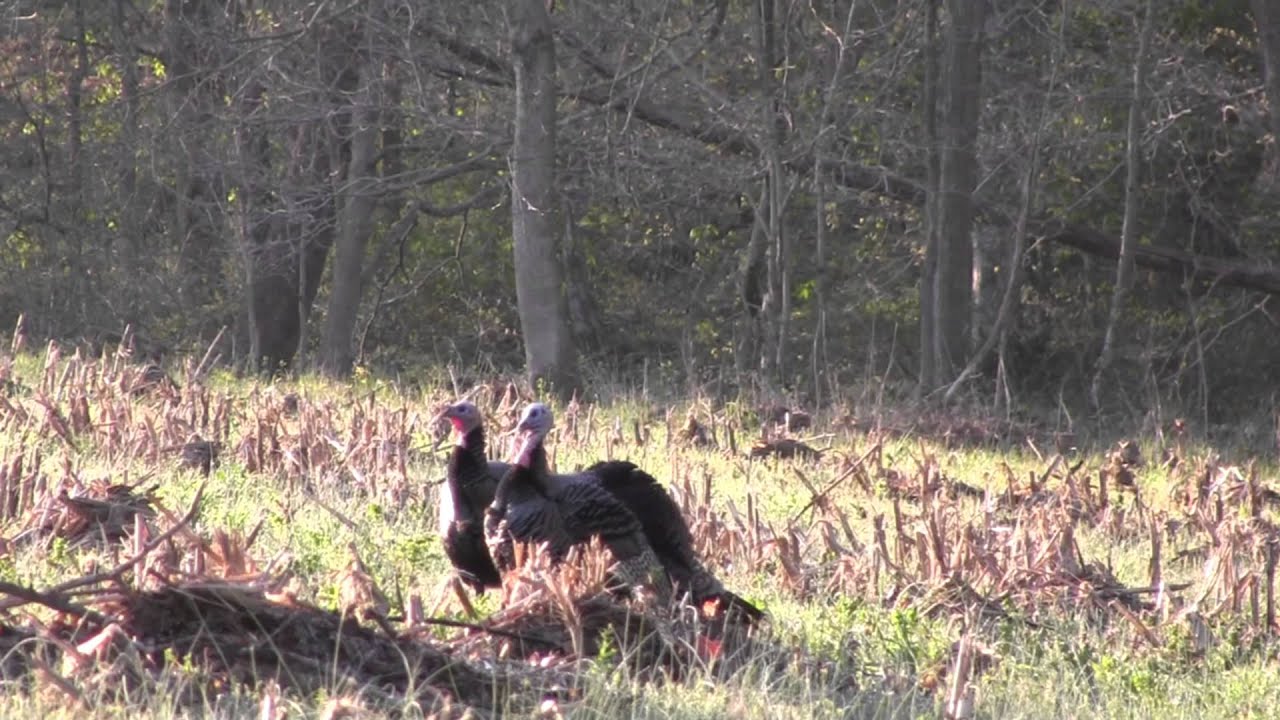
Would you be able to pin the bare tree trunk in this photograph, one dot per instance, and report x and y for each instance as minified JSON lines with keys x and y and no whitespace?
{"x":929,"y":376}
{"x":1129,"y":228}
{"x":825,"y":129}
{"x":284,"y":258}
{"x":776,"y":303}
{"x":357,"y":200}
{"x":189,"y":25}
{"x":127,"y":152}
{"x":953,"y":278}
{"x":549,"y":351}
{"x":751,"y":289}
{"x":1266,"y":13}
{"x":1006,"y":312}
{"x":77,"y":299}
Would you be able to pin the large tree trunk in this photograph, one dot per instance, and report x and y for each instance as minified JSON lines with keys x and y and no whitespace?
{"x":286,"y":262}
{"x":549,"y":351}
{"x":358,"y":200}
{"x":1129,"y":227}
{"x":953,"y":276}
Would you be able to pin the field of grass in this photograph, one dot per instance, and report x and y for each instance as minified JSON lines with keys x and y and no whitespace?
{"x":915,"y":569}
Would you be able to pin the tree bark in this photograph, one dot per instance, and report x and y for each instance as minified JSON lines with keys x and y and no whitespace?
{"x":189,"y":27}
{"x":826,"y":131}
{"x":128,"y":150}
{"x":775,"y":304}
{"x":358,"y":201}
{"x":929,"y":376}
{"x":1266,"y":14}
{"x":1129,"y":226}
{"x":549,"y":351}
{"x":953,"y":276}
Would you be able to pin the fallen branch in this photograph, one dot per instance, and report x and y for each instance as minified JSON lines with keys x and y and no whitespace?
{"x":848,"y":473}
{"x":443,"y":622}
{"x":22,"y":595}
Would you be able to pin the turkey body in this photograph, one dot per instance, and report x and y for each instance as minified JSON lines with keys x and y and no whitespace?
{"x":561,"y":511}
{"x":668,"y":534}
{"x":610,"y":499}
{"x":470,"y":485}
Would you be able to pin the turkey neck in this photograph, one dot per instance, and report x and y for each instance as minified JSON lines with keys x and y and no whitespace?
{"x":469,"y":459}
{"x":526,"y":479}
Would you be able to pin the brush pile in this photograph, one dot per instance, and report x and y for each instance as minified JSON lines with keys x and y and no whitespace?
{"x":103,"y":634}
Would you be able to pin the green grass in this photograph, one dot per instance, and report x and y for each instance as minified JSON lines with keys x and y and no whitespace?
{"x":870,"y":645}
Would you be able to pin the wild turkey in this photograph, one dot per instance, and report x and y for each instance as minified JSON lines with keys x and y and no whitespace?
{"x":471,"y":482}
{"x":664,"y":526}
{"x":563,"y":511}
{"x":476,"y":477}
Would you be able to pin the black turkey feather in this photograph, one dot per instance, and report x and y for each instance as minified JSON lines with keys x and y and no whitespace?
{"x":470,"y":487}
{"x":562,"y":511}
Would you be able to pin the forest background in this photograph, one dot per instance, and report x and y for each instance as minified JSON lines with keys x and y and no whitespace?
{"x":1051,"y":209}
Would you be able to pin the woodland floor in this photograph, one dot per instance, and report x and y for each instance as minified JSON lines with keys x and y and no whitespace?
{"x":195,"y":544}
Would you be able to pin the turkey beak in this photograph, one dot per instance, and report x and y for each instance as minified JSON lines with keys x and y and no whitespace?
{"x":446,"y":414}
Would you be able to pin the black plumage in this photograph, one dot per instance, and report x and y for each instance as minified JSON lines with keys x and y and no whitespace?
{"x":470,"y":485}
{"x":562,"y":511}
{"x":668,"y":534}
{"x":473,"y":481}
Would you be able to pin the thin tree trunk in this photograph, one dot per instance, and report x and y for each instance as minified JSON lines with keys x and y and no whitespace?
{"x":953,"y":278}
{"x":825,"y":130}
{"x":1266,"y":14}
{"x":776,"y":301}
{"x":78,"y":298}
{"x":128,"y":149}
{"x":549,"y":351}
{"x":929,"y":376}
{"x":751,"y":288}
{"x":1129,"y":228}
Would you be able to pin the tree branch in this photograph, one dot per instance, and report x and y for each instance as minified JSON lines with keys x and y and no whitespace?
{"x":1247,"y":274}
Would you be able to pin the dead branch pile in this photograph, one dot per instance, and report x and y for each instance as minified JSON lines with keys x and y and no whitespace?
{"x":100,"y":513}
{"x":236,"y":631}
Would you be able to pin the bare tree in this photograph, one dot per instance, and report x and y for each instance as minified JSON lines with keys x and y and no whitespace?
{"x":952,"y":291}
{"x":1129,"y":228}
{"x":1266,"y":14}
{"x":549,"y":351}
{"x":929,"y":371}
{"x":358,"y":198}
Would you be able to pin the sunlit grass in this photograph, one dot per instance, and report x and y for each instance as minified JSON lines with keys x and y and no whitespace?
{"x":869,"y":650}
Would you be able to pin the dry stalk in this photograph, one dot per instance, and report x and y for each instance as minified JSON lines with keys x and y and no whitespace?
{"x":960,"y":695}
